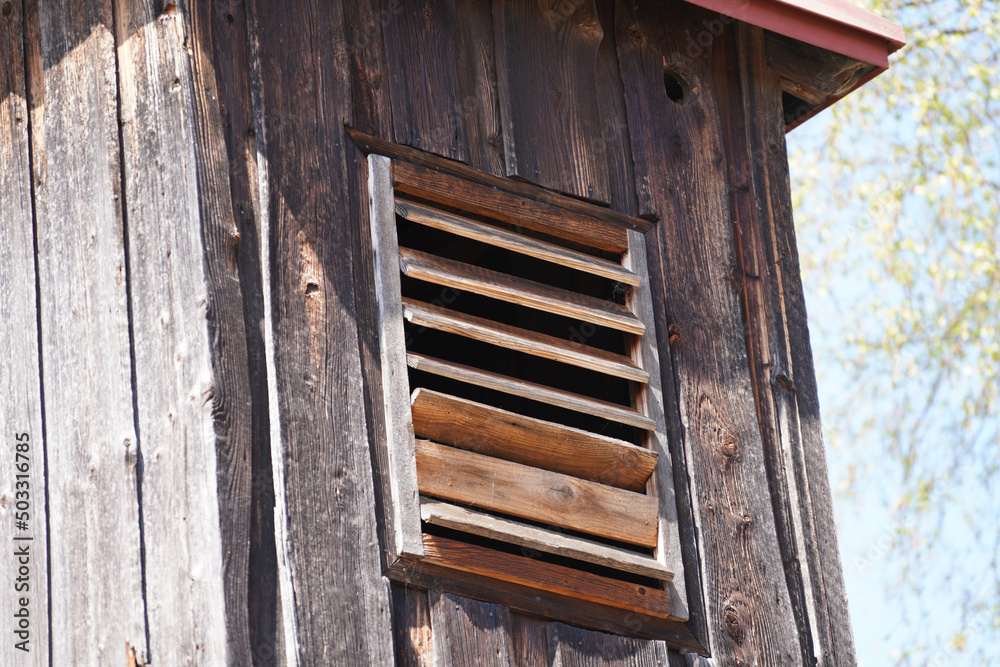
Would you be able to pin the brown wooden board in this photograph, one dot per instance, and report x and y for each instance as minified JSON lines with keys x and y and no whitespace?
{"x":328,"y":546}
{"x":191,"y":400}
{"x":22,"y":456}
{"x":92,"y":449}
{"x":547,"y":57}
{"x":469,"y":632}
{"x":423,"y":82}
{"x":677,"y":147}
{"x":487,"y":430}
{"x":531,"y":647}
{"x":413,"y":635}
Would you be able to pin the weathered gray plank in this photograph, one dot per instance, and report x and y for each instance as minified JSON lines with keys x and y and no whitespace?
{"x":92,"y":448}
{"x":469,"y":632}
{"x":22,"y":452}
{"x":546,"y":72}
{"x":785,"y":380}
{"x":676,"y":148}
{"x":334,"y":600}
{"x":575,"y":647}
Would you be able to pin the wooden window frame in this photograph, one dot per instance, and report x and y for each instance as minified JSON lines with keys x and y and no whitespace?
{"x":409,"y":556}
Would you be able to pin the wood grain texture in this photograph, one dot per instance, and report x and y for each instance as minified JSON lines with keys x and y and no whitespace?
{"x":528,"y":636}
{"x":561,"y":581}
{"x":183,"y":391}
{"x":530,"y":390}
{"x":576,"y":647}
{"x":487,"y":200}
{"x":539,"y":495}
{"x":784,"y":380}
{"x":677,"y":147}
{"x":810,"y":73}
{"x":469,"y":632}
{"x":92,"y":448}
{"x":526,"y":245}
{"x":22,"y":457}
{"x":547,"y":59}
{"x":576,"y":207}
{"x":423,"y":83}
{"x":413,"y":635}
{"x":487,"y":430}
{"x":441,"y":271}
{"x":534,"y":538}
{"x":479,"y":101}
{"x":523,"y":340}
{"x":337,"y":600}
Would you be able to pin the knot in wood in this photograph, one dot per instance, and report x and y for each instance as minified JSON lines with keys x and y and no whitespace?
{"x":7,"y":8}
{"x":564,"y":490}
{"x":674,"y":334}
{"x":733,"y":624}
{"x":730,"y":446}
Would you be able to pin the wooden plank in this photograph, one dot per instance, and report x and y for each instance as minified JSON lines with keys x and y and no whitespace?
{"x":784,"y":379}
{"x":469,"y":632}
{"x":577,"y":647}
{"x":811,"y":73}
{"x":545,"y":604}
{"x":501,"y":238}
{"x":575,"y":207}
{"x":183,"y":389}
{"x":423,"y":83}
{"x":450,"y":273}
{"x":477,"y":80}
{"x":522,"y":340}
{"x":221,"y":66}
{"x":650,"y":400}
{"x":530,"y":390}
{"x":539,"y":495}
{"x":677,"y":147}
{"x":402,"y":508}
{"x":95,"y":562}
{"x":413,"y":635}
{"x":556,"y":579}
{"x":471,"y":196}
{"x":326,"y":536}
{"x":459,"y":422}
{"x":533,"y":538}
{"x":22,"y":456}
{"x":547,"y":57}
{"x":531,"y":647}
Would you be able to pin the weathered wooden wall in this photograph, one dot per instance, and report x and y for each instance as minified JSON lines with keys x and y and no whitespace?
{"x":187,"y":299}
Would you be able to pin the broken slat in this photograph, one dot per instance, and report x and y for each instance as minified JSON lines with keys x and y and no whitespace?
{"x":522,"y":340}
{"x":557,"y":579}
{"x":502,"y":238}
{"x":539,"y":495}
{"x":530,"y":390}
{"x":467,"y":520}
{"x":484,"y":429}
{"x":459,"y":275}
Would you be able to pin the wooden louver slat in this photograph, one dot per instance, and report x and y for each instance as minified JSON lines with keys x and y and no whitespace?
{"x":547,"y":577}
{"x":446,"y":515}
{"x":522,"y":340}
{"x":539,"y":495}
{"x":501,"y":238}
{"x":530,"y":390}
{"x":484,"y":429}
{"x":459,"y":275}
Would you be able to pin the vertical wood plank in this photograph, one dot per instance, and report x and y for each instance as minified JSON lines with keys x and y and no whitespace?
{"x":337,"y":600}
{"x":411,"y":627}
{"x":546,"y":71}
{"x":785,"y":381}
{"x":95,"y":568}
{"x":479,"y":102}
{"x":749,"y":613}
{"x":469,"y":632}
{"x":575,"y":647}
{"x":423,"y":82}
{"x":183,"y":404}
{"x":22,"y":452}
{"x":529,"y":640}
{"x":226,"y":145}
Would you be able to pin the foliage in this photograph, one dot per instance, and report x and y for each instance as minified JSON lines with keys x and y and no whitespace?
{"x":897,"y":207}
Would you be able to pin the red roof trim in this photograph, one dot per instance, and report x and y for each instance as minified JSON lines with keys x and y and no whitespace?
{"x":835,"y":25}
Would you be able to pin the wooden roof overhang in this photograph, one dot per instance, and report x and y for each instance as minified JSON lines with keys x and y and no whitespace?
{"x":823,"y":49}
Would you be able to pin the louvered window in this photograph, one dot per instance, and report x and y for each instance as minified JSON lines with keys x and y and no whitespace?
{"x":524,"y":458}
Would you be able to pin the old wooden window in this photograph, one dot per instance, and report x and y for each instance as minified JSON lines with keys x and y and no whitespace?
{"x":525,"y":459}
